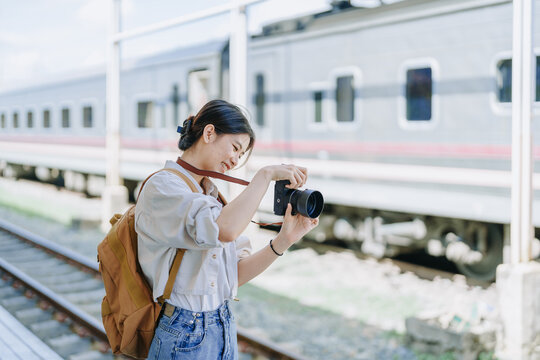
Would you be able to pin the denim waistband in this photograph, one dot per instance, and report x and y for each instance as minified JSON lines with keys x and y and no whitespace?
{"x":221,"y":313}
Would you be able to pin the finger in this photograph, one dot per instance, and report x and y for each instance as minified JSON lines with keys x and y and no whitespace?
{"x":293,"y":181}
{"x":288,"y":211}
{"x":303,"y":176}
{"x":299,"y":177}
{"x":299,"y":180}
{"x":303,"y":170}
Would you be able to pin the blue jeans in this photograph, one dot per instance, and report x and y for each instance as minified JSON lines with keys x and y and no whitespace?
{"x":207,"y":335}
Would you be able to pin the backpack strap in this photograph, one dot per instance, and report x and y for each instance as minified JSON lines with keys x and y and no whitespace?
{"x":222,"y":199}
{"x":183,"y":176}
{"x":172,"y":276}
{"x":179,"y":252}
{"x":174,"y":171}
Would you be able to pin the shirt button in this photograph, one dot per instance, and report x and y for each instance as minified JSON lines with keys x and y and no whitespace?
{"x":212,"y":284}
{"x":214,"y":256}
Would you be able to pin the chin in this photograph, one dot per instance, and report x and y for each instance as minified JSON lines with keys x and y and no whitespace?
{"x":222,"y":169}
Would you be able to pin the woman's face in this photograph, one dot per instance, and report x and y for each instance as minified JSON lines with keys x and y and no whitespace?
{"x":225,"y":151}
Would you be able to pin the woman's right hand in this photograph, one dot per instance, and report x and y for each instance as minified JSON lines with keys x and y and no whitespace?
{"x":297,"y":175}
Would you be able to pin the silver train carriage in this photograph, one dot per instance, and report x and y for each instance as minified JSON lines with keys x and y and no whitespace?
{"x":400,"y":112}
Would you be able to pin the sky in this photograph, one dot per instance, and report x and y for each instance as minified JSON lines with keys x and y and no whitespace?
{"x":40,"y":39}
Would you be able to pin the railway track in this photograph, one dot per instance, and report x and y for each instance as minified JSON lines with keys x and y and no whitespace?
{"x":57,"y":293}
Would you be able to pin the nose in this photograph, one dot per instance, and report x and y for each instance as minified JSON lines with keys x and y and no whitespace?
{"x":234,"y":161}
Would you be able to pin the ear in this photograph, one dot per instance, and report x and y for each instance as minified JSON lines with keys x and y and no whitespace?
{"x":209,"y":133}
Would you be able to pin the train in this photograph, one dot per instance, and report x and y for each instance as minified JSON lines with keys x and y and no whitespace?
{"x":400,"y":112}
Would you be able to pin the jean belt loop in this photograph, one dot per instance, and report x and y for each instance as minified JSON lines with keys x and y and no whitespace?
{"x":205,"y":320}
{"x":174,"y":315}
{"x":220,"y":313}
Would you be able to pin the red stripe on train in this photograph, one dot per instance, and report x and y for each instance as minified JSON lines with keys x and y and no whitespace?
{"x":306,"y":147}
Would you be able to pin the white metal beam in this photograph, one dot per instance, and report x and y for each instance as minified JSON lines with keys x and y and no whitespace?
{"x":182,"y":20}
{"x":522,"y":163}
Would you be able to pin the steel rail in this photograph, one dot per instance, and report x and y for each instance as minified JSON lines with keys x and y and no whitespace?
{"x":92,"y":324}
{"x":68,"y":255}
{"x":268,"y":348}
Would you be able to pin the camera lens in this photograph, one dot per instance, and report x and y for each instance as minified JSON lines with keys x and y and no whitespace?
{"x":309,"y":203}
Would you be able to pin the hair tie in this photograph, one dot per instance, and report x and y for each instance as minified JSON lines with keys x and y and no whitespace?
{"x":186,"y":126}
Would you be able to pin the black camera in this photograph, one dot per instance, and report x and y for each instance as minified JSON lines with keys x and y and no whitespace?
{"x":307,"y":202}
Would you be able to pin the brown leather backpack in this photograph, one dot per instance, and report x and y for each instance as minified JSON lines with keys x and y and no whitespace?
{"x":128,"y":309}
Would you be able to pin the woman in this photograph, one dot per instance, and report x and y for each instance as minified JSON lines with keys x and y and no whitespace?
{"x":197,"y":322}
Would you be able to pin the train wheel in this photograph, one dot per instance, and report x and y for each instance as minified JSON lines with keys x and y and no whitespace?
{"x":493,"y":256}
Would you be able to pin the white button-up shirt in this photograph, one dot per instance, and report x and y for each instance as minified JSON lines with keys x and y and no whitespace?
{"x":168,"y":216}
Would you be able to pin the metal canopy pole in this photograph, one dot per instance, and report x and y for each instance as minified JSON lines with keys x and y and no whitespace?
{"x":237,"y":71}
{"x":115,"y":195}
{"x":112,"y":144}
{"x":238,"y":55}
{"x":522,"y":163}
{"x":518,"y":281}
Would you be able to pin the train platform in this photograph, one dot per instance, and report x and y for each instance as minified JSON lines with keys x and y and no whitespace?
{"x":17,"y":342}
{"x":46,"y":200}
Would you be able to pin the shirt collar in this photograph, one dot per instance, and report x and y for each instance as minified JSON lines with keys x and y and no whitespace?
{"x":208,"y":187}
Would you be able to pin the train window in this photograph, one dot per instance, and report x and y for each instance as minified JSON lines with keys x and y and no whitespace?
{"x":65,"y":117}
{"x":87,"y":117}
{"x":198,"y":89}
{"x":3,"y":120}
{"x":345,"y":98}
{"x":29,"y":119}
{"x":15,"y":120}
{"x":318,"y":100}
{"x":175,"y":99}
{"x":145,"y":114}
{"x":537,"y":97}
{"x":46,"y":118}
{"x":419,"y":90}
{"x":259,"y":99}
{"x":504,"y":81}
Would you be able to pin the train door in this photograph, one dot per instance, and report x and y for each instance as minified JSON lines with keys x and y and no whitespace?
{"x":198,"y":91}
{"x":263,"y":84}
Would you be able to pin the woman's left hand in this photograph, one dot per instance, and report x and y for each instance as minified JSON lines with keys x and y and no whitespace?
{"x":296,"y":226}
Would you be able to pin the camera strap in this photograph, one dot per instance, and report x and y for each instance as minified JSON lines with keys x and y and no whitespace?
{"x":218,"y":175}
{"x":209,"y":173}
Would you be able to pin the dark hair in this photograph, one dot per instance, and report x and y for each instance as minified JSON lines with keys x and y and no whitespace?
{"x":226,"y":118}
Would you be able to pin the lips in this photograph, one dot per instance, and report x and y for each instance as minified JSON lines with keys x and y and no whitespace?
{"x":226,"y":166}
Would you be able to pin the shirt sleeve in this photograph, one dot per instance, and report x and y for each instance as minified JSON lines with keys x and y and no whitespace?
{"x":170,"y":214}
{"x":243,"y":247}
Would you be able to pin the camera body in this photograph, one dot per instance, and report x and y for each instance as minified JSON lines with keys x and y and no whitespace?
{"x":281,"y":197}
{"x":307,"y":202}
